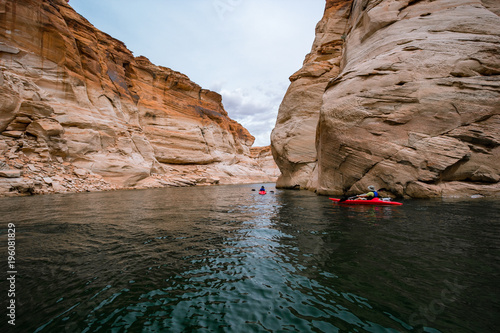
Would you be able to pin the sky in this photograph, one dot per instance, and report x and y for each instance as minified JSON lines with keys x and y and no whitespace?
{"x":243,"y":49}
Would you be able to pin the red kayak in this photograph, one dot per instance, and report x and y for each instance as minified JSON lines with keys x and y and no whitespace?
{"x":262,"y":192}
{"x":374,"y":201}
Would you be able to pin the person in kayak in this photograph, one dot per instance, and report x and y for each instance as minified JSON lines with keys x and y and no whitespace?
{"x":365,"y":196}
{"x":262,"y":189}
{"x":369,"y":195}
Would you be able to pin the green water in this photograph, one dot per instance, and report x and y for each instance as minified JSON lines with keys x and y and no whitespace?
{"x":226,"y":259}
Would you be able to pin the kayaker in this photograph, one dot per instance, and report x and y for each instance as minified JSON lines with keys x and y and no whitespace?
{"x":262,"y":189}
{"x":370,"y":195}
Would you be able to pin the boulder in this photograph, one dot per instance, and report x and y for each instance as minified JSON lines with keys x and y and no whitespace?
{"x":9,"y":102}
{"x":9,"y":173}
{"x":45,"y":128}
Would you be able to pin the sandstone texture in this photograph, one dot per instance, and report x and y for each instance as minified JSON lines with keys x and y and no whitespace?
{"x":294,"y":136}
{"x":76,"y":104}
{"x":264,"y":158}
{"x":403,"y":95}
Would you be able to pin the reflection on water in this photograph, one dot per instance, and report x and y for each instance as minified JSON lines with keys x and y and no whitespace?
{"x":226,"y":259}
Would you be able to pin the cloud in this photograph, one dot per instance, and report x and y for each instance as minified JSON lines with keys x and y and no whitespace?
{"x":257,"y":112}
{"x":243,"y":49}
{"x":258,"y":116}
{"x":241,"y":104}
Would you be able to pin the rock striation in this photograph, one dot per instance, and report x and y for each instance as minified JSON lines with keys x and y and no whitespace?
{"x":74,"y":98}
{"x":264,"y":158}
{"x":403,"y":95}
{"x":294,"y":136}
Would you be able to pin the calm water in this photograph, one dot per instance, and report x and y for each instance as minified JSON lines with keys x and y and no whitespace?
{"x":225,"y":259}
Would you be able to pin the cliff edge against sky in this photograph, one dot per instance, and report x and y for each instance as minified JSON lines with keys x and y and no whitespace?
{"x":77,"y":108}
{"x":403,"y":95}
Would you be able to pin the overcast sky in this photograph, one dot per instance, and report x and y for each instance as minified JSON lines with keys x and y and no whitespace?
{"x":243,"y":49}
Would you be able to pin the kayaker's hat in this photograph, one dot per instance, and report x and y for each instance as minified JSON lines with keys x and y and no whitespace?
{"x":371,"y":188}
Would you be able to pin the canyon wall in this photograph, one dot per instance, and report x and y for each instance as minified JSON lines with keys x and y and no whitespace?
{"x":403,"y":95}
{"x":74,"y":99}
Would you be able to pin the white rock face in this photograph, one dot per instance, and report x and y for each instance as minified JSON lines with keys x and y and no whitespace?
{"x":414,"y":108}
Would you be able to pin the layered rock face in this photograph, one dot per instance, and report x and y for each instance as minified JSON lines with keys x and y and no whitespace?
{"x":411,"y":103}
{"x":74,"y":96}
{"x":293,"y":138}
{"x":264,"y":158}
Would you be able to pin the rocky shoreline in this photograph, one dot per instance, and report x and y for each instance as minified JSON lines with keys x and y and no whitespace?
{"x":24,"y":174}
{"x":21,"y":175}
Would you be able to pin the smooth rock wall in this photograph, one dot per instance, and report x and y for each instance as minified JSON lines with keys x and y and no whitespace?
{"x":415,"y":107}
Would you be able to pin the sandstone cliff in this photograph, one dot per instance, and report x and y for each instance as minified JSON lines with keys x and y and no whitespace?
{"x":403,"y":95}
{"x":74,"y":98}
{"x":264,"y":158}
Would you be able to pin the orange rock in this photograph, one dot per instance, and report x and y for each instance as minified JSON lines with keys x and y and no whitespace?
{"x":87,"y":99}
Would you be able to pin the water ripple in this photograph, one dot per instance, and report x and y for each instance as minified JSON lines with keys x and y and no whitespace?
{"x":224,"y":259}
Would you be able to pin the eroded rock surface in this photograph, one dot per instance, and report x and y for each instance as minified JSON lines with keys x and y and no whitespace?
{"x":411,"y":101}
{"x":73,"y":96}
{"x":293,"y":138}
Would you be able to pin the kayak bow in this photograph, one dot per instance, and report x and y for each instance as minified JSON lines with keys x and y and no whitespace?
{"x":262,"y":192}
{"x":374,"y":201}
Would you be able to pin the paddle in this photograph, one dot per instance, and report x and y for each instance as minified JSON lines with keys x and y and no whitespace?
{"x":345,"y":197}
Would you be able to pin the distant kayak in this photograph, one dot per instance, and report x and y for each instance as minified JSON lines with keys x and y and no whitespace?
{"x":374,"y":201}
{"x":262,"y":192}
